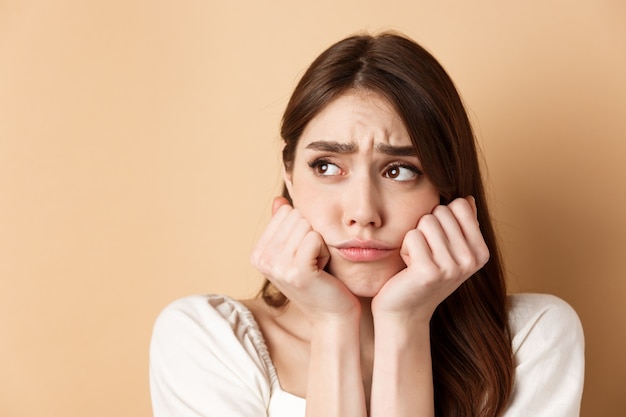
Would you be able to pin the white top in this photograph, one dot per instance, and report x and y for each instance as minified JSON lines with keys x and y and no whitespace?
{"x":208,"y":358}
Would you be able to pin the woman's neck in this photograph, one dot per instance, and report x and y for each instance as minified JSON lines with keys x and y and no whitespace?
{"x":367,"y":344}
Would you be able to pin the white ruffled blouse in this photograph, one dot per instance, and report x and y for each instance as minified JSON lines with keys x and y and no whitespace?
{"x":208,"y":358}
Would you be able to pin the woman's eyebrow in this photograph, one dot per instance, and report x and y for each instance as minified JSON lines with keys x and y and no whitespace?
{"x":396,"y":150}
{"x":332,"y":146}
{"x":348,"y":148}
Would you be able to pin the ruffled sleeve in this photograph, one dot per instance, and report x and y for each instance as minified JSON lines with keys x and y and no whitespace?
{"x":548,"y":347}
{"x":207,"y":358}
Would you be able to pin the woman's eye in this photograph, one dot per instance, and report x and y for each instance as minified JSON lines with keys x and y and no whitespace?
{"x":401,"y":173}
{"x":324,"y":168}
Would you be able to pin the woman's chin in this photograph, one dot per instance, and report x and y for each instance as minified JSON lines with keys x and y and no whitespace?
{"x":365,"y":280}
{"x":364,"y":291}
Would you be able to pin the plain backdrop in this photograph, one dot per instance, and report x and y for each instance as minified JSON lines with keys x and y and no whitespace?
{"x":139,"y":154}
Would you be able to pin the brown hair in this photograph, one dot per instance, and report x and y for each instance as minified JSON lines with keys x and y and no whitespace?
{"x":470,"y":339}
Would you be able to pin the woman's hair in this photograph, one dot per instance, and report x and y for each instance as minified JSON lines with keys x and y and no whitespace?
{"x":470,"y":338}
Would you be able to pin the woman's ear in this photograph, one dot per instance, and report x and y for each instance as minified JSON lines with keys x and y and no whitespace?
{"x":288,"y":178}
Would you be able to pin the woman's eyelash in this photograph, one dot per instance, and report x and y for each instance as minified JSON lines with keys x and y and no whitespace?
{"x":316,"y":163}
{"x":324,"y":167}
{"x":321,"y":167}
{"x":410,"y":167}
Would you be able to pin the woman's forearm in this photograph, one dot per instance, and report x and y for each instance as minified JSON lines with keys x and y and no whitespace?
{"x":335,"y":384}
{"x":402,"y":382}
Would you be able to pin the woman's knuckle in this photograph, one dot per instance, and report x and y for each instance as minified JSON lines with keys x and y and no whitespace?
{"x":426,"y":222}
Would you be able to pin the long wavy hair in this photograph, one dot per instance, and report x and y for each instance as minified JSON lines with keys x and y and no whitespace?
{"x":470,"y":337}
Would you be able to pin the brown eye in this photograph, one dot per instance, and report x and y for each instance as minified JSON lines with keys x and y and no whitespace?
{"x":402,"y":173}
{"x":324,"y":168}
{"x":393,"y":172}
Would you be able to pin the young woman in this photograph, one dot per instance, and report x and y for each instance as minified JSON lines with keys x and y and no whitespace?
{"x":385,"y":293}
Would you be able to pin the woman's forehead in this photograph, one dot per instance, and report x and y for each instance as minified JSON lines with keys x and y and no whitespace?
{"x":361,"y":119}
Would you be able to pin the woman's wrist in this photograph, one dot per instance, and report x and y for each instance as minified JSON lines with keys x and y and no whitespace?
{"x":399,"y":318}
{"x":401,"y":329}
{"x":328,"y":323}
{"x":402,"y":379}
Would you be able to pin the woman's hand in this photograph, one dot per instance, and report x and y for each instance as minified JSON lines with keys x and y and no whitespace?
{"x":293,"y":256}
{"x":444,"y":250}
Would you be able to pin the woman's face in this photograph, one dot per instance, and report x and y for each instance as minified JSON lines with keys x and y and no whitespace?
{"x":357,"y":180}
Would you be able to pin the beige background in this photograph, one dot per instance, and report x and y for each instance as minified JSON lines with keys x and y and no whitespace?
{"x":139,"y":155}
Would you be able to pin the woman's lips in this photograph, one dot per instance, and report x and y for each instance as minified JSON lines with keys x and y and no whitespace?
{"x":357,"y":250}
{"x":356,"y":254}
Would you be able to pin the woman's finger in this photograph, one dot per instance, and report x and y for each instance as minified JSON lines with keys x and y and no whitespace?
{"x":278,"y":216}
{"x":298,"y":228}
{"x":464,"y":211}
{"x":278,"y":203}
{"x":437,"y":242}
{"x":456,"y":241}
{"x":312,"y":251}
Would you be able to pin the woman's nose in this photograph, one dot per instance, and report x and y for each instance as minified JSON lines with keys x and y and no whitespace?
{"x":362,"y":205}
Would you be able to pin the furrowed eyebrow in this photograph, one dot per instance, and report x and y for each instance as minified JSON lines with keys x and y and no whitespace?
{"x":347,"y":148}
{"x":396,"y":150}
{"x":334,"y":147}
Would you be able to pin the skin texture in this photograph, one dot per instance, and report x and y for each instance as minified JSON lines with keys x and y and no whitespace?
{"x":365,"y":246}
